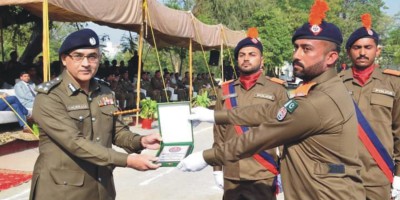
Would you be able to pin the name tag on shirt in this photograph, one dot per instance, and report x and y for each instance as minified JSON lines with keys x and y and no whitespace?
{"x":383,"y":91}
{"x":77,"y":107}
{"x":265,"y":96}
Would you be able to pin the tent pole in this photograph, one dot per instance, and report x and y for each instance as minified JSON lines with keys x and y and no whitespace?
{"x":46,"y":43}
{"x":2,"y":39}
{"x":221,"y":60}
{"x":139,"y":75}
{"x":190,"y":70}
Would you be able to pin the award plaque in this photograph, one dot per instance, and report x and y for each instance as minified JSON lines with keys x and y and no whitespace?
{"x":176,"y":132}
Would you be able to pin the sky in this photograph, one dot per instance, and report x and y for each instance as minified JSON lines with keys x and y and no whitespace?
{"x":116,"y":34}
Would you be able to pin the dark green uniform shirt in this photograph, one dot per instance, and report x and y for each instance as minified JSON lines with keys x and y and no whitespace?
{"x":76,"y":133}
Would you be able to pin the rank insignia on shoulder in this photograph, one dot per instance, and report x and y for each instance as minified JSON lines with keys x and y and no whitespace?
{"x":281,"y":114}
{"x":46,"y":87}
{"x":291,"y":105}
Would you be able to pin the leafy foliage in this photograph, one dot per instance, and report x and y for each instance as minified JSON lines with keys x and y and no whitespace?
{"x":148,"y":109}
{"x":201,"y":100}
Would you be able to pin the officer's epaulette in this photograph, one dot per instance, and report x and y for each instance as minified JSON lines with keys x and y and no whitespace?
{"x":102,"y":81}
{"x":304,"y":89}
{"x":391,"y":72}
{"x":277,"y":80}
{"x":46,"y":87}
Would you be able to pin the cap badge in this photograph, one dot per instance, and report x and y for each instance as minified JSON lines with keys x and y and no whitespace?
{"x":370,"y":32}
{"x":315,"y":29}
{"x":92,"y":41}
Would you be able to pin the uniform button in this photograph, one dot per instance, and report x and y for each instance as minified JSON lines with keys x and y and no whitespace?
{"x":90,"y":99}
{"x":80,"y":118}
{"x":97,"y":139}
{"x":99,"y":179}
{"x":93,"y":119}
{"x":65,"y":182}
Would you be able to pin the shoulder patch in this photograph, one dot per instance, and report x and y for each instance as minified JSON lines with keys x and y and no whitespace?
{"x":303,"y":90}
{"x":291,"y":105}
{"x":46,"y":87}
{"x":276,"y":80}
{"x":391,"y":72}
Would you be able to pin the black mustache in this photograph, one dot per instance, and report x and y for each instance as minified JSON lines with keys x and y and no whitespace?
{"x":297,"y":62}
{"x":362,"y":56}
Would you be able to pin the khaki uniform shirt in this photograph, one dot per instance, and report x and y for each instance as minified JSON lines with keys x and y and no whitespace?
{"x":320,"y":157}
{"x":264,"y":91}
{"x":379,"y":101}
{"x":77,"y":130}
{"x":146,"y":84}
{"x":157,"y":83}
{"x":126,"y":85}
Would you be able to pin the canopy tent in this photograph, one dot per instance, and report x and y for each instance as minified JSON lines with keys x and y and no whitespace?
{"x":171,"y":27}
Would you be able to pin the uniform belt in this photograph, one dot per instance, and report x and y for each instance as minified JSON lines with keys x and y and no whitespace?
{"x":336,"y":169}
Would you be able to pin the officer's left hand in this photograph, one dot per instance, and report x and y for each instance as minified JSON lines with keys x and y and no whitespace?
{"x":193,"y":163}
{"x":151,"y":141}
{"x":396,"y":187}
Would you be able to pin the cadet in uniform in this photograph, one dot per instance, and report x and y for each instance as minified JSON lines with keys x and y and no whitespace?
{"x":249,"y":178}
{"x":77,"y":129}
{"x":377,"y":95}
{"x":318,"y":127}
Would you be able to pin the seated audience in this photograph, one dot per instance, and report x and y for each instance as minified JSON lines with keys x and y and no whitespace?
{"x":25,"y":90}
{"x":18,"y":107}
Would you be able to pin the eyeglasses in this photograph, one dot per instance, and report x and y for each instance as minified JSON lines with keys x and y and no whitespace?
{"x":79,"y":57}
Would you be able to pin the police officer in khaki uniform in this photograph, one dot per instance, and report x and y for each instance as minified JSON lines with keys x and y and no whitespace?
{"x":126,"y":88}
{"x":248,"y":178}
{"x":158,"y":89}
{"x":77,"y":129}
{"x":318,"y":127}
{"x":377,"y":94}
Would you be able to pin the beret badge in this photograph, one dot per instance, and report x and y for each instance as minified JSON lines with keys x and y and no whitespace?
{"x":315,"y":29}
{"x":317,"y":14}
{"x":92,"y":41}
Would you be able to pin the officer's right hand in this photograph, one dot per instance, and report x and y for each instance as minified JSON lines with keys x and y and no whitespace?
{"x":219,"y":179}
{"x":142,"y":162}
{"x":396,"y":187}
{"x":202,"y":114}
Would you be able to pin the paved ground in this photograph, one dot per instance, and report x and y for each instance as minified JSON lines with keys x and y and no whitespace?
{"x":162,"y":184}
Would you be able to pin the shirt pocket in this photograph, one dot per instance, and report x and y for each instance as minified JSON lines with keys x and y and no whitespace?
{"x":67,"y":177}
{"x":108,"y":111}
{"x":79,"y":116}
{"x":382,"y":100}
{"x":107,"y":117}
